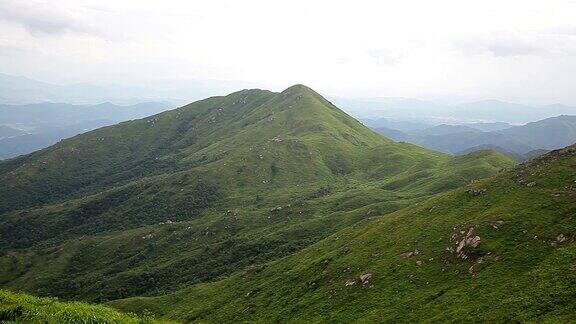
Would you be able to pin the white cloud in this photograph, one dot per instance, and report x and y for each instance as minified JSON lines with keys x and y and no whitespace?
{"x":42,"y":18}
{"x":356,"y":48}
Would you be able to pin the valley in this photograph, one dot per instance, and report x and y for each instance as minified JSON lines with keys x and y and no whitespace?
{"x":303,"y":162}
{"x":228,"y":207}
{"x":205,"y":191}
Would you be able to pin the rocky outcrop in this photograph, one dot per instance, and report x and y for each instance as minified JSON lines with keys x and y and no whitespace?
{"x":476,"y":191}
{"x":365,"y":278}
{"x":466,"y":242}
{"x":350,"y":282}
{"x":409,"y":253}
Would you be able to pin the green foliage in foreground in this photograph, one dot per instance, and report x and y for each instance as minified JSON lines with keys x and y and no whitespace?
{"x":23,"y":308}
{"x":498,"y":250}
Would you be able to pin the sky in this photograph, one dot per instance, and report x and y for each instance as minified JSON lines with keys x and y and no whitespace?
{"x":522,"y":51}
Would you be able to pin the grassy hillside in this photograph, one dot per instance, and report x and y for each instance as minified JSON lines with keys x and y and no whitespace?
{"x":500,"y":249}
{"x":23,"y":308}
{"x":191,"y":195}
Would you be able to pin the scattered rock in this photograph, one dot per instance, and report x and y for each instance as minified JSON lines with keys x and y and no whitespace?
{"x":472,"y":269}
{"x":465,"y":242}
{"x":350,"y":282}
{"x":147,"y":237}
{"x":497,"y":224}
{"x":477,"y":191}
{"x":561,"y":238}
{"x":409,"y":254}
{"x":419,"y":263}
{"x":365,"y":277}
{"x":232,"y":213}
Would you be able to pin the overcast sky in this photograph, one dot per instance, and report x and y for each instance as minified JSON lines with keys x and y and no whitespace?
{"x":522,"y":51}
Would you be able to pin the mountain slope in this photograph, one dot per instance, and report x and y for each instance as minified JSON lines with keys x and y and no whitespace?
{"x":190,"y":195}
{"x":550,"y":133}
{"x":500,"y":249}
{"x":457,"y":142}
{"x":444,"y":129}
{"x":6,"y":131}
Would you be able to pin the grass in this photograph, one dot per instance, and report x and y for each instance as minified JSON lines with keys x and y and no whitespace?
{"x":24,"y":308}
{"x":88,"y":217}
{"x":523,"y":270}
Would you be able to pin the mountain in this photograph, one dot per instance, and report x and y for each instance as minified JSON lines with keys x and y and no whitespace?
{"x":400,"y":125}
{"x":488,"y":115}
{"x":21,"y":90}
{"x":444,"y":129}
{"x":521,"y":141}
{"x":47,"y":123}
{"x":392,"y":134}
{"x":42,"y":136}
{"x":515,"y":156}
{"x":499,"y":249}
{"x":550,"y":133}
{"x":61,"y":113}
{"x":7,"y":131}
{"x":457,"y":142}
{"x":489,"y":127}
{"x":390,"y":107}
{"x":204,"y":191}
{"x":496,"y":110}
{"x":18,"y":90}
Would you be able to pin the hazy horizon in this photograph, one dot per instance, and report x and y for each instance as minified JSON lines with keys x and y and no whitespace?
{"x":181,"y":96}
{"x":447,"y":51}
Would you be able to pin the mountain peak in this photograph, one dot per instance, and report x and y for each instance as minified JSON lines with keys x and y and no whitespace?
{"x":298,"y":89}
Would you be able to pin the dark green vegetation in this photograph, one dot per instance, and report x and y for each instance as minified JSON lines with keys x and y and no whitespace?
{"x":497,"y":250}
{"x":23,"y":308}
{"x":191,"y":195}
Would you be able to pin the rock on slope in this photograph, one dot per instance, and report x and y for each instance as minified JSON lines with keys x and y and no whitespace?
{"x":186,"y":196}
{"x":500,"y":249}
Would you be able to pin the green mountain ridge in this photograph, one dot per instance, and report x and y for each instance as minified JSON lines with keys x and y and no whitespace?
{"x":195,"y":194}
{"x":500,"y":249}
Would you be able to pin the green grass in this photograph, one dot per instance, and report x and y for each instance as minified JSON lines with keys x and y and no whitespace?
{"x":524,"y":268}
{"x":23,"y":308}
{"x":86,"y":218}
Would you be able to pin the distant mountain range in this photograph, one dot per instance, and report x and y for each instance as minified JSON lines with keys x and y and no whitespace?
{"x":27,"y":128}
{"x":21,"y":90}
{"x":523,"y":142}
{"x":431,"y":113}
